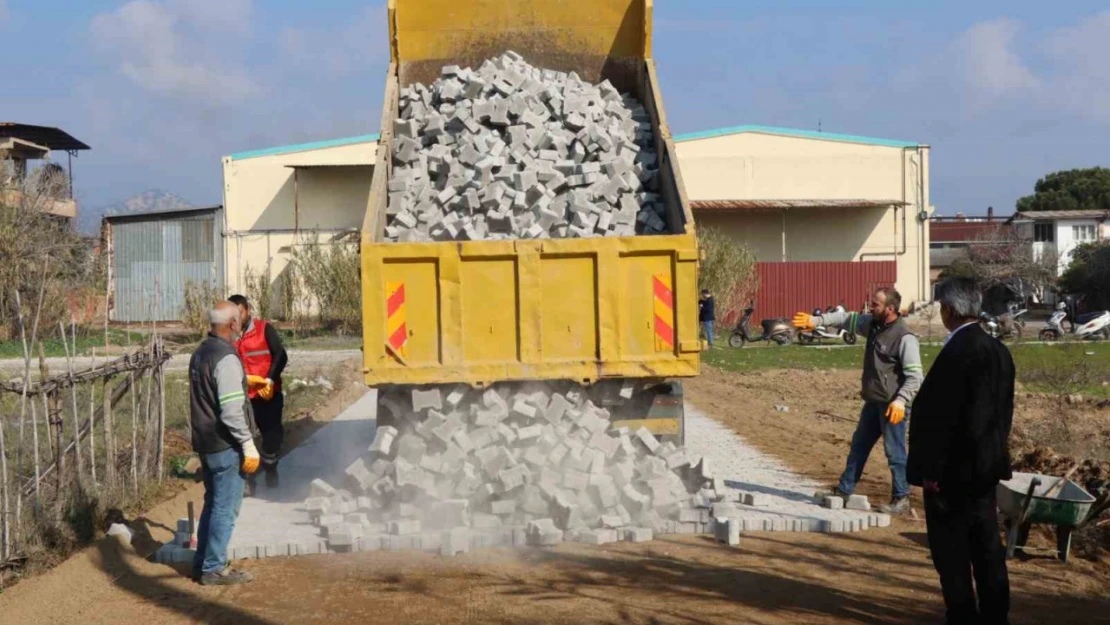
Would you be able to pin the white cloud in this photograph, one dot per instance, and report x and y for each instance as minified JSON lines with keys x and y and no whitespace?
{"x":1080,"y":54}
{"x":155,"y":49}
{"x":216,"y":15}
{"x":992,"y":69}
{"x":362,"y":42}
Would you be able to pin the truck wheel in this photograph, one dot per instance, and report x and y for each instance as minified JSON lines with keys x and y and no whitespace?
{"x":736,"y":340}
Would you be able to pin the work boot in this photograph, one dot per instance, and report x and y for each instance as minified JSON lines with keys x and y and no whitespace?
{"x":226,"y":577}
{"x":272,"y":476}
{"x":897,"y":506}
{"x":250,"y":486}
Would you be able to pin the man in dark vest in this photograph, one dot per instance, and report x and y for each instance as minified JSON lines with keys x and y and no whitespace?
{"x":892,"y":374}
{"x":959,"y":452}
{"x":264,"y":359}
{"x":220,"y":416}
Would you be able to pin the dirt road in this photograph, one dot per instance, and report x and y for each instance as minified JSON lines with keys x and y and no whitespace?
{"x":879,"y":576}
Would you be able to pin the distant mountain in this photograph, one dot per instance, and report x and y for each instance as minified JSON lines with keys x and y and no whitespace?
{"x":88,"y":218}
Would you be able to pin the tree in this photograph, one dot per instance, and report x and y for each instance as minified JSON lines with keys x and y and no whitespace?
{"x":1089,"y":274}
{"x":1075,"y":189}
{"x":1002,"y":258}
{"x":37,"y":248}
{"x":728,"y":271}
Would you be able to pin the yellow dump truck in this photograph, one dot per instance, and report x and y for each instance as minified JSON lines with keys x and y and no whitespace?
{"x":581,"y":310}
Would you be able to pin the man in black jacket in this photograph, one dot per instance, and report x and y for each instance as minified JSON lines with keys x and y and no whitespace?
{"x":958,"y":454}
{"x":707,"y":314}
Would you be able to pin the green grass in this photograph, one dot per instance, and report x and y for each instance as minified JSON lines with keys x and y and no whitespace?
{"x":1067,"y":368}
{"x":87,"y":340}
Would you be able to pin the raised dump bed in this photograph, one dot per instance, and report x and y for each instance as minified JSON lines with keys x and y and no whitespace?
{"x":479,"y":312}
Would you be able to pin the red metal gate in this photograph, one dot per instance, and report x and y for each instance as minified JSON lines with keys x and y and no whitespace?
{"x":787,"y":288}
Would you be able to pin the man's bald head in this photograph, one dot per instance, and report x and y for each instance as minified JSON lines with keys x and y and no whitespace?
{"x":224,"y":318}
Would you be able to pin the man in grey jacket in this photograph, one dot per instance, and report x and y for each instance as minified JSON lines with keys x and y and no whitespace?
{"x":892,"y":375}
{"x":220,"y":415}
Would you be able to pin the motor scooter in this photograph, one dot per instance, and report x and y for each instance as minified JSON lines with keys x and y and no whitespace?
{"x":823,"y":332}
{"x":1053,"y":329}
{"x":778,"y":330}
{"x":1095,"y":328}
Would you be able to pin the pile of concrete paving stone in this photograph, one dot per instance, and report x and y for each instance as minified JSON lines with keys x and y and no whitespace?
{"x":514,"y":464}
{"x":511,"y":151}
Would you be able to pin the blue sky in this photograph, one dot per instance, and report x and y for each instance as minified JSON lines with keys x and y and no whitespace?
{"x":161,"y":89}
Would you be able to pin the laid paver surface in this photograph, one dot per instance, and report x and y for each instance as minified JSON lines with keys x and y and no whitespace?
{"x":274,"y":516}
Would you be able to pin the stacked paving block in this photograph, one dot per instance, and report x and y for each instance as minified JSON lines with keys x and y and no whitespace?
{"x":183,"y":547}
{"x":511,"y":151}
{"x":528,"y":463}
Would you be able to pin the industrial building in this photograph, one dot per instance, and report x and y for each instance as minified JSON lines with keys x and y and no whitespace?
{"x":802,"y":200}
{"x":828,"y":216}
{"x":154,"y":256}
{"x":280,"y":197}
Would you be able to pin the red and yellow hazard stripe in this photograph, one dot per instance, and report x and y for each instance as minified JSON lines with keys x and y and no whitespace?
{"x":664,"y":312}
{"x":396,"y":329}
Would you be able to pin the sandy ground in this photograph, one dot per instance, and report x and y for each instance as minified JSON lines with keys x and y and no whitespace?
{"x":879,"y":576}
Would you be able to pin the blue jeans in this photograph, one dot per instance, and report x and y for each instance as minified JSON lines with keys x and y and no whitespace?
{"x":223,"y":495}
{"x":707,"y":327}
{"x":873,"y":424}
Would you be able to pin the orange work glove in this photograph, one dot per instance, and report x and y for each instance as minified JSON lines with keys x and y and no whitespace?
{"x":895,"y":412}
{"x":803,"y":321}
{"x":251,"y":459}
{"x":255,"y":382}
{"x":267,"y":390}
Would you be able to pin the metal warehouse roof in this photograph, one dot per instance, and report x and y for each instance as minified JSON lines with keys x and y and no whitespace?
{"x":161,"y":214}
{"x":53,"y":138}
{"x":781,"y":204}
{"x":794,"y":132}
{"x":1076,"y":214}
{"x":304,"y":147}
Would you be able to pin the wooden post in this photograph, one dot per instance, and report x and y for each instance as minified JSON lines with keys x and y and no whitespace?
{"x":109,"y":451}
{"x":54,"y":416}
{"x":5,"y":532}
{"x":92,"y":435}
{"x":35,"y":443}
{"x":160,"y":372}
{"x":44,"y":373}
{"x":73,"y":390}
{"x":134,"y":435}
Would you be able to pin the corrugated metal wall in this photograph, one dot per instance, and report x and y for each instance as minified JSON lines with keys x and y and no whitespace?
{"x":152,"y":260}
{"x":787,"y":288}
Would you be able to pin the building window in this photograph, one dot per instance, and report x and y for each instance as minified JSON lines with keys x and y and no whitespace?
{"x":1083,"y":234}
{"x":1044,"y":232}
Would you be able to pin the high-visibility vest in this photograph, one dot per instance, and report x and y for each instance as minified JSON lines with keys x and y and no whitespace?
{"x":254,"y":351}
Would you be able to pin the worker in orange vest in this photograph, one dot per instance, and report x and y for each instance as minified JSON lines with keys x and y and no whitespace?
{"x":264,"y":359}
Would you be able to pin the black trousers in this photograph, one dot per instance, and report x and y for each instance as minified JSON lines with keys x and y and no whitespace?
{"x":965,"y":544}
{"x":267,"y":415}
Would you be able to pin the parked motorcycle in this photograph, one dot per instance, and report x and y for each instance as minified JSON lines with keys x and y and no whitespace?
{"x":778,"y":330}
{"x":822,"y":332}
{"x":1006,"y":326}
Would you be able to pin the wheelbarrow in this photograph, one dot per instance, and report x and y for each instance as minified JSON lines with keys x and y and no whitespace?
{"x":1030,"y":498}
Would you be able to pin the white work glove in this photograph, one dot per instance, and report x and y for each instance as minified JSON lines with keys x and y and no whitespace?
{"x":251,"y":459}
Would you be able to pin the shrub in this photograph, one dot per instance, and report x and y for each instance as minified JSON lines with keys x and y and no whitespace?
{"x":728,"y":270}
